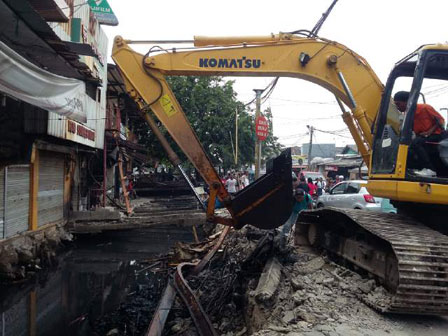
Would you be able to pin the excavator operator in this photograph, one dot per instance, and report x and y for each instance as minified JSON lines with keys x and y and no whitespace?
{"x":429,"y":131}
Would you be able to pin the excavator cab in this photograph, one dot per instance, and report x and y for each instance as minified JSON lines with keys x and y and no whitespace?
{"x":424,"y":74}
{"x":415,"y":181}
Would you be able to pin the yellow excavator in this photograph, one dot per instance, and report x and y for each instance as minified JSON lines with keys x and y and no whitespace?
{"x":407,"y":252}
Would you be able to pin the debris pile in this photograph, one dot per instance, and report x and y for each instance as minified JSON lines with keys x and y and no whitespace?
{"x":134,"y":315}
{"x":251,"y":287}
{"x":222,"y":285}
{"x":318,"y":297}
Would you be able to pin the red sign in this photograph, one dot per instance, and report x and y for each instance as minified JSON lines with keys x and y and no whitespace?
{"x":261,"y":128}
{"x":80,"y":130}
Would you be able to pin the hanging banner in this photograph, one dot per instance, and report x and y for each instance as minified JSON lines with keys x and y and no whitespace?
{"x":103,"y":12}
{"x":25,"y":81}
{"x":261,"y":127}
{"x":298,"y":160}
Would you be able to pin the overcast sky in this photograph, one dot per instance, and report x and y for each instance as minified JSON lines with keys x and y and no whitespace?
{"x":382,"y":31}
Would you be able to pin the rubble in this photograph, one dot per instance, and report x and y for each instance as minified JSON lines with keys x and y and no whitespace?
{"x":22,"y":255}
{"x":311,"y":266}
{"x":317,"y":296}
{"x":269,"y":281}
{"x":252,"y":288}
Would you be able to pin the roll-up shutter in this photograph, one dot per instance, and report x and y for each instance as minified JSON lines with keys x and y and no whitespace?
{"x":51,"y":187}
{"x":17,"y":199}
{"x":2,"y":202}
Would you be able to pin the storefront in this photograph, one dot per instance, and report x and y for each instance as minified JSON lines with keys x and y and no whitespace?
{"x":14,"y":200}
{"x":51,"y":187}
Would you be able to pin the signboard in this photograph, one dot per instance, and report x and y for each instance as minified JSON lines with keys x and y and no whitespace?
{"x":261,"y":128}
{"x":298,"y":160}
{"x":103,"y":12}
{"x":79,"y":133}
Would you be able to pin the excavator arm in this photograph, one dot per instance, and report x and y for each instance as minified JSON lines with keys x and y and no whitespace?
{"x":328,"y":64}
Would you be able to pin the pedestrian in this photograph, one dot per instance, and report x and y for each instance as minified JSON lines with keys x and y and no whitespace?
{"x":303,"y":185}
{"x":328,"y":184}
{"x":130,"y":187}
{"x":224,"y":179}
{"x":231,"y":184}
{"x":302,"y":201}
{"x":337,"y":180}
{"x":240,"y":181}
{"x":246,"y":179}
{"x":320,"y":186}
{"x":312,"y":188}
{"x":295,"y":183}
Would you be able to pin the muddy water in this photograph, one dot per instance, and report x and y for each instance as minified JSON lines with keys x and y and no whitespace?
{"x":88,"y":282}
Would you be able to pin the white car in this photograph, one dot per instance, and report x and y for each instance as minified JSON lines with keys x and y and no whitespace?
{"x":354,"y":195}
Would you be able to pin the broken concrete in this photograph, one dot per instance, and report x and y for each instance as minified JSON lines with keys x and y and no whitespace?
{"x":269,"y":281}
{"x":180,"y":210}
{"x":311,"y":266}
{"x":98,"y":215}
{"x":29,"y":250}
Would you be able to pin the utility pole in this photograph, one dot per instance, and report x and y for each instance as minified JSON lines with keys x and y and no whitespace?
{"x":258,"y":93}
{"x":236,"y":136}
{"x":311,"y":129}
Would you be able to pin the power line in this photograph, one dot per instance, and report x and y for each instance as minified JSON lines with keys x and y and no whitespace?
{"x":335,"y":133}
{"x":270,"y":87}
{"x":304,"y":102}
{"x":292,"y":136}
{"x":305,"y":119}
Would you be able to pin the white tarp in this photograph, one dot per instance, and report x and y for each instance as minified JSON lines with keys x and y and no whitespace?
{"x":25,"y":81}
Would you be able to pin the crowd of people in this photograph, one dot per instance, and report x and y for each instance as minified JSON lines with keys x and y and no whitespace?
{"x":314,"y":188}
{"x":235,"y":181}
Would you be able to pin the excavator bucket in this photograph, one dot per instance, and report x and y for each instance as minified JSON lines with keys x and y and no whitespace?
{"x":267,"y":203}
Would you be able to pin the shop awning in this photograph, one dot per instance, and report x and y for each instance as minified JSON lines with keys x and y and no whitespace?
{"x":25,"y":81}
{"x":25,"y":31}
{"x":52,"y":10}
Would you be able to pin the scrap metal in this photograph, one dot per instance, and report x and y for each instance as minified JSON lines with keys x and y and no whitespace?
{"x":166,"y":302}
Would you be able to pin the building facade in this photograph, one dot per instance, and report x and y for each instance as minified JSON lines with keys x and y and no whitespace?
{"x":52,"y":108}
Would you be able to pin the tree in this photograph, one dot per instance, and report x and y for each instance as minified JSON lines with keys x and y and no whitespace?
{"x":210,"y":104}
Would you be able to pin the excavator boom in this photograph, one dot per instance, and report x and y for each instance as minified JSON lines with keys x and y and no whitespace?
{"x":326,"y":63}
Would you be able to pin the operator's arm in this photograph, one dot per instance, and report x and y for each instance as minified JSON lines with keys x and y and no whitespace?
{"x":430,"y":131}
{"x":435,"y":118}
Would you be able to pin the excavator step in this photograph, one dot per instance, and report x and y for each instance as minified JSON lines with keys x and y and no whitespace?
{"x":410,"y":258}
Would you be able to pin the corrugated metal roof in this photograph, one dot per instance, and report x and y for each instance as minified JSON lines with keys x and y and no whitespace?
{"x":51,"y":10}
{"x":115,"y":84}
{"x":24,"y":30}
{"x":342,"y":163}
{"x":321,"y":150}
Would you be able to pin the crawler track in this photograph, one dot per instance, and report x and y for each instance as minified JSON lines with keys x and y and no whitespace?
{"x":410,"y":258}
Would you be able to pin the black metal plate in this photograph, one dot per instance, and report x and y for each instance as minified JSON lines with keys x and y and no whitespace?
{"x":267,"y":203}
